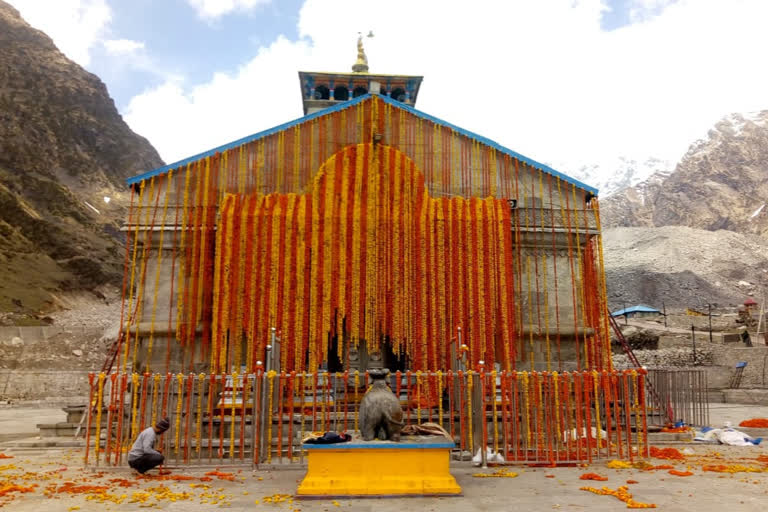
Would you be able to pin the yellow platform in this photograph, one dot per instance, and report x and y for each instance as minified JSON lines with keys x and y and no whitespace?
{"x":416,"y":466}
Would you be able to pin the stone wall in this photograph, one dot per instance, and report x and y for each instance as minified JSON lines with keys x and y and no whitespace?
{"x":755,"y":374}
{"x":42,"y":385}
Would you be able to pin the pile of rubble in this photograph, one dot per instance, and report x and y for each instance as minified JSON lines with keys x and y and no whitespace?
{"x":637,"y":339}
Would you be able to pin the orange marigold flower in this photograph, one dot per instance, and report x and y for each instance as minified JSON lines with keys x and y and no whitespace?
{"x":755,"y":423}
{"x":593,"y":476}
{"x":666,"y":453}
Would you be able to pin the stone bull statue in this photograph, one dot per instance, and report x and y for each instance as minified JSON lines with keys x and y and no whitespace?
{"x":380,"y":412}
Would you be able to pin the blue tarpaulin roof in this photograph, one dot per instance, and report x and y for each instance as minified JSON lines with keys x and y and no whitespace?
{"x":640,"y":308}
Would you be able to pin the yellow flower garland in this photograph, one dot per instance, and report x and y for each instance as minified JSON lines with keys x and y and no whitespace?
{"x":527,"y":406}
{"x":99,"y":409}
{"x":596,"y":397}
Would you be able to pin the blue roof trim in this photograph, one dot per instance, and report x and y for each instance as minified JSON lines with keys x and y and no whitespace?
{"x":493,"y":144}
{"x":244,"y":140}
{"x":350,"y":103}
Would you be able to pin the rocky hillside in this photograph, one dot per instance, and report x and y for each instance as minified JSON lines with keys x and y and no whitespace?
{"x":64,"y":149}
{"x":683,"y":267}
{"x":710,"y":221}
{"x":719,"y":184}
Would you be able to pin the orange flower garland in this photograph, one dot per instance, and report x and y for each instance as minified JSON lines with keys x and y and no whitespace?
{"x":622,"y":494}
{"x":755,"y":423}
{"x":397,"y":241}
{"x":351,"y":242}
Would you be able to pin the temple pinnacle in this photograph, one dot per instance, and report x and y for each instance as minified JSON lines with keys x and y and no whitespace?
{"x":361,"y":65}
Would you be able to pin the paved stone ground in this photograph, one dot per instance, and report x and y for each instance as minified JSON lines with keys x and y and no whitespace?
{"x":533,"y":489}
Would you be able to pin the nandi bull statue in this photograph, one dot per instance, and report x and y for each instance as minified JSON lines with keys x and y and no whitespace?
{"x":380,"y":412}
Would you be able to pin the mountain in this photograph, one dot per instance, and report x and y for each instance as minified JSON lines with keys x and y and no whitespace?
{"x":64,"y":154}
{"x":697,"y":234}
{"x":616,"y":175}
{"x":720,"y":183}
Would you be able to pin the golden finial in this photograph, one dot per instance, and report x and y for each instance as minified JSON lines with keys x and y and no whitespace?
{"x":361,"y":65}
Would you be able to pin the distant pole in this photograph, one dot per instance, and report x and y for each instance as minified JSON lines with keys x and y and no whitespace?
{"x":709,"y":305}
{"x":664,"y":307}
{"x":693,"y":340}
{"x":626,"y":315}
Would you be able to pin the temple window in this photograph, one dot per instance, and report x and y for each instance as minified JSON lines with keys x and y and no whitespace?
{"x":322,"y":92}
{"x":398,"y":94}
{"x":341,"y":93}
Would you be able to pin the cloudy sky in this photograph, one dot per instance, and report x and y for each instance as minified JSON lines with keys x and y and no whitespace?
{"x":567,"y":82}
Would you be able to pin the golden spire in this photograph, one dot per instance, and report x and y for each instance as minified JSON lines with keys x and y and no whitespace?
{"x":361,"y":65}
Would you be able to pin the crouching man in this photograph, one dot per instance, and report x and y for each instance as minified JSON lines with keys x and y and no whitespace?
{"x":143,"y":455}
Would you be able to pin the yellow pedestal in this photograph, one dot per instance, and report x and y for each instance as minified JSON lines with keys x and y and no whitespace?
{"x":416,"y":466}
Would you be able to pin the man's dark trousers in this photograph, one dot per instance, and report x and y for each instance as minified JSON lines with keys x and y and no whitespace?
{"x":146,"y":462}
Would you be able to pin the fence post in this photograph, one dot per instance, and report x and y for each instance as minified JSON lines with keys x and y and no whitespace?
{"x":478,"y":417}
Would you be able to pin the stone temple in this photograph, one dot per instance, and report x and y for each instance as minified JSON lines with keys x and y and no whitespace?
{"x":365,"y":234}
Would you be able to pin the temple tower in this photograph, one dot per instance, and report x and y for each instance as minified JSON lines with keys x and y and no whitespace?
{"x":320,"y":90}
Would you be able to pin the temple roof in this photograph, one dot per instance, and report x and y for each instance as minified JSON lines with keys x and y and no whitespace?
{"x":346,"y":104}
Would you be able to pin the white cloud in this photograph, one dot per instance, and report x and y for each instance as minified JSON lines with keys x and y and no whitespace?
{"x":642,"y":10}
{"x":75,"y":26}
{"x":211,"y":9}
{"x":235,"y":105}
{"x":118,"y":47}
{"x":539,"y":77}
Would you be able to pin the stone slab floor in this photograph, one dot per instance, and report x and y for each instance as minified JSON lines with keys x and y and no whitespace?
{"x":531,"y":489}
{"x":61,"y":483}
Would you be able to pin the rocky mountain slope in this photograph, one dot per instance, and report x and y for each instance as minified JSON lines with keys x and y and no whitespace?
{"x":683,"y":267}
{"x":63,"y":149}
{"x":719,"y":184}
{"x":709,"y":243}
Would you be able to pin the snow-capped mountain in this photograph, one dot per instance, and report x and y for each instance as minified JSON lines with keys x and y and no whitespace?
{"x":623,"y":172}
{"x":720,"y":183}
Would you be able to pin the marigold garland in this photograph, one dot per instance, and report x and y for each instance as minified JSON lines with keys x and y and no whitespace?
{"x":99,"y":408}
{"x":593,"y":476}
{"x":666,"y":453}
{"x":372,"y":306}
{"x":622,"y":494}
{"x":755,"y":423}
{"x":396,"y":242}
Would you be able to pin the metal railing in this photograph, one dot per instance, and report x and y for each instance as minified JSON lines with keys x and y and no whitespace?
{"x":262,"y":418}
{"x":683,"y":392}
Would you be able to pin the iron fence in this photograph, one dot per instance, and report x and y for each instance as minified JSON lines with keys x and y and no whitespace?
{"x":681,"y":396}
{"x":263,"y":418}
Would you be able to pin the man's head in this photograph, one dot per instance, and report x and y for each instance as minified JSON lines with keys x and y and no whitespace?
{"x":162,"y":425}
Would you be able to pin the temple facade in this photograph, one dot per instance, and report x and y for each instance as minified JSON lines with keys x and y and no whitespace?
{"x":364,"y":234}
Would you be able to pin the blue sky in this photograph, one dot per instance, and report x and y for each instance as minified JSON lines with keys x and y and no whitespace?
{"x":182,"y":43}
{"x":571,"y":83}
